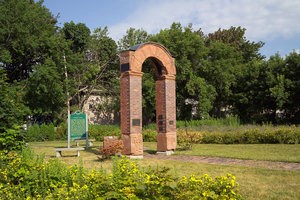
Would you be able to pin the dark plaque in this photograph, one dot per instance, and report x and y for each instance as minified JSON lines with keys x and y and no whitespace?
{"x":135,"y":122}
{"x":160,"y":123}
{"x":125,"y":67}
{"x":161,"y":129}
{"x":171,"y":122}
{"x":160,"y":117}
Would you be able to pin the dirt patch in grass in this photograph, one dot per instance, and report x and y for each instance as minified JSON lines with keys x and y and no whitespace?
{"x":227,"y":161}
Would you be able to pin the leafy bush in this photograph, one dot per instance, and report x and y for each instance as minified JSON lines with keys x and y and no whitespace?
{"x":115,"y":147}
{"x":186,"y":138}
{"x":11,"y":139}
{"x":41,"y":133}
{"x":62,"y":131}
{"x":245,"y":135}
{"x":100,"y":131}
{"x":29,"y":177}
{"x":232,"y":121}
{"x":149,"y":135}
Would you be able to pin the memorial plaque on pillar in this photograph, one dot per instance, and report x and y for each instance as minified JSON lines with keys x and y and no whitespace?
{"x":136,"y":122}
{"x":125,"y":67}
{"x":161,"y":127}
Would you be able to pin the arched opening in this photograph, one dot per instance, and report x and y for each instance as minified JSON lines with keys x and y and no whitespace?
{"x":152,"y":70}
{"x":156,"y":57}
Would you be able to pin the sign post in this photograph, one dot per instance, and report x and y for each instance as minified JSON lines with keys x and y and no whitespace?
{"x":69,"y":133}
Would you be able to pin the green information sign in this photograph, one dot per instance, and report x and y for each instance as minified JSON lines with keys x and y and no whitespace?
{"x":78,"y":126}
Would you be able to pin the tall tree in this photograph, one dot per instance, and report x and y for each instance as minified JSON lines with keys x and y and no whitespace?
{"x":77,"y":34}
{"x":189,"y":51}
{"x":133,"y":36}
{"x":235,"y":37}
{"x":26,"y":36}
{"x":12,"y":108}
{"x":45,"y":96}
{"x":220,"y":69}
{"x":291,"y":74}
{"x":230,"y":54}
{"x":102,"y":56}
{"x":91,"y":65}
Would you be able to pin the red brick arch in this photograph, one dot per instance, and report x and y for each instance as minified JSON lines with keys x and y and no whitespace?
{"x":131,"y":62}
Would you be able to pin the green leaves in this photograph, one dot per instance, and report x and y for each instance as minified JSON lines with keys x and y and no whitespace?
{"x":133,"y":37}
{"x":46,"y":95}
{"x":12,"y":108}
{"x":26,"y":176}
{"x":26,"y":28}
{"x":77,"y":34}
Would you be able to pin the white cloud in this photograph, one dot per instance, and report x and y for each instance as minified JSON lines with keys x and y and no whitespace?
{"x":263,"y":19}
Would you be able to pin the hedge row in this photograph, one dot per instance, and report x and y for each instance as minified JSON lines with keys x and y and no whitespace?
{"x":193,"y":134}
{"x":49,"y":132}
{"x":27,"y":177}
{"x":262,"y":135}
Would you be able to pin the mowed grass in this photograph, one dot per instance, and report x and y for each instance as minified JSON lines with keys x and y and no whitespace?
{"x":255,"y":183}
{"x":269,"y":152}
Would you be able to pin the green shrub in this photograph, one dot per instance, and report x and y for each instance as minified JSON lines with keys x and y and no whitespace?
{"x":41,"y":133}
{"x":62,"y":131}
{"x":99,"y":131}
{"x":33,"y":133}
{"x":29,"y":177}
{"x":232,"y":121}
{"x":246,"y":135}
{"x":149,"y":135}
{"x":11,"y":139}
{"x":186,"y":138}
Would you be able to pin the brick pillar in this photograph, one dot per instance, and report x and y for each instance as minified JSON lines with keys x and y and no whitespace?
{"x":166,"y":113}
{"x":131,"y":112}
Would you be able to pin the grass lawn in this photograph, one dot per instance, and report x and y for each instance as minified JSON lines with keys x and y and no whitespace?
{"x":270,"y":152}
{"x":255,"y":183}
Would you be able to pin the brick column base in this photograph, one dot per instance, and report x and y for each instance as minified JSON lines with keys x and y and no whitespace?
{"x":166,"y":141}
{"x":133,"y":144}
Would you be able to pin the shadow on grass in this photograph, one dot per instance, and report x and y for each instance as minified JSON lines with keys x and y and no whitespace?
{"x":94,"y":150}
{"x":150,"y":151}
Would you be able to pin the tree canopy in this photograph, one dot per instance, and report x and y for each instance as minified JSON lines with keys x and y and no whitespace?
{"x":218,"y":74}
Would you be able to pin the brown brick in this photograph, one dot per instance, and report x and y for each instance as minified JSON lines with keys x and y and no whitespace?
{"x":131,"y":98}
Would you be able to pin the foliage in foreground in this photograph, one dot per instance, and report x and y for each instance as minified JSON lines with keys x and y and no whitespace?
{"x":27,"y":177}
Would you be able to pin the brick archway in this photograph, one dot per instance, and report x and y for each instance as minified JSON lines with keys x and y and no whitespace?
{"x":131,"y":62}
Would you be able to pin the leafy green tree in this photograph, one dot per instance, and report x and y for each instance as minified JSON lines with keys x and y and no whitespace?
{"x":77,"y":34}
{"x":220,"y":69}
{"x":229,"y":54}
{"x":12,"y":108}
{"x":235,"y":37}
{"x":189,"y":51}
{"x":93,"y":69}
{"x":133,"y":37}
{"x":12,"y":114}
{"x":291,"y":72}
{"x":102,"y":51}
{"x":249,"y":91}
{"x":46,"y":97}
{"x":26,"y":36}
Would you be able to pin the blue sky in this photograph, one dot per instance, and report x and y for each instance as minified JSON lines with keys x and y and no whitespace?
{"x":275,"y":22}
